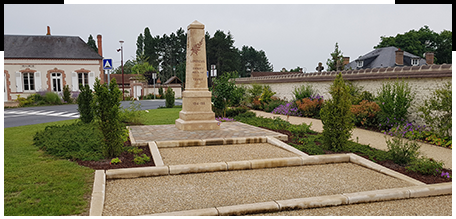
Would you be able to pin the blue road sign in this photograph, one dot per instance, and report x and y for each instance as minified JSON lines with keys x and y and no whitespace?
{"x":107,"y":64}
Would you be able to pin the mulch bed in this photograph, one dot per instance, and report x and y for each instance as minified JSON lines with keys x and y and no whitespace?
{"x":125,"y":157}
{"x":428,"y":179}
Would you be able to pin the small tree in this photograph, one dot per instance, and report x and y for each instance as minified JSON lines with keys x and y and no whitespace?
{"x":67,"y":94}
{"x":107,"y":111}
{"x":336,"y":116}
{"x":394,"y":99}
{"x":84,"y":101}
{"x":169,"y":96}
{"x":336,"y":62}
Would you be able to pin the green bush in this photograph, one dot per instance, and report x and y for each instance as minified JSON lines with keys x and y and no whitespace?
{"x":73,"y":141}
{"x":436,"y":111}
{"x":336,"y":116}
{"x":141,"y":159}
{"x":302,"y":92}
{"x":225,"y":93}
{"x":394,"y":99}
{"x":52,"y":98}
{"x":169,"y":96}
{"x":275,"y":102}
{"x":266,"y":96}
{"x":131,"y":114}
{"x":107,"y":111}
{"x":402,"y":151}
{"x":160,"y":92}
{"x":67,"y":94}
{"x":85,"y":107}
{"x":425,"y":166}
{"x":234,"y":111}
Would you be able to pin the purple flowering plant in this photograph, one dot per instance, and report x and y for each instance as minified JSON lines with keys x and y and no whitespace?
{"x":287,"y":109}
{"x":225,"y":119}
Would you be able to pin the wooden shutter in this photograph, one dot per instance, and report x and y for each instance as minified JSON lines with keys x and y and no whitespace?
{"x":37,"y":81}
{"x":74,"y":81}
{"x":19,"y":82}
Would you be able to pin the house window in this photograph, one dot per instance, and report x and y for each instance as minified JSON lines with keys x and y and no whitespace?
{"x":56,"y":79}
{"x":83,"y":78}
{"x":29,"y":82}
{"x":415,"y":62}
{"x":359,"y":64}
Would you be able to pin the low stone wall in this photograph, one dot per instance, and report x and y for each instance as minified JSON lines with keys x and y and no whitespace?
{"x":423,"y":80}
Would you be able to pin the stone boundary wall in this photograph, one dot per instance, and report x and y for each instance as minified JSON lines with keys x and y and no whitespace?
{"x":423,"y":80}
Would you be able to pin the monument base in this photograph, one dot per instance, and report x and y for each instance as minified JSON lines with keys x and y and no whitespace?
{"x":197,"y":125}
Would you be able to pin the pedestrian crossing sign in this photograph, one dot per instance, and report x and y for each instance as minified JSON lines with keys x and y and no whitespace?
{"x":107,"y":64}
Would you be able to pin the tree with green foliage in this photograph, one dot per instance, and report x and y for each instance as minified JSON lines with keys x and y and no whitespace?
{"x":140,"y":45}
{"x":253,"y":61}
{"x":422,"y":41}
{"x":220,"y":51}
{"x":85,"y":107}
{"x":107,"y":111}
{"x":394,"y":99}
{"x":91,"y":43}
{"x":169,"y":96}
{"x":225,"y":93}
{"x":336,"y":62}
{"x":336,"y":116}
{"x":150,"y":47}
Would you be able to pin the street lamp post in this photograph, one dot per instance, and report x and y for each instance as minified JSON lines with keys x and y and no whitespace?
{"x":121,"y":62}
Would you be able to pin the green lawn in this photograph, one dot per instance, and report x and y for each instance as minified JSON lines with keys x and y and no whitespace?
{"x":38,"y":184}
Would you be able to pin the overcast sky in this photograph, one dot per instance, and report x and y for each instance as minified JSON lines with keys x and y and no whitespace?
{"x":291,"y":35}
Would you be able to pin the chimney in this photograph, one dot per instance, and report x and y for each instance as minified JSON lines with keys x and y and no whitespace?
{"x":429,"y":58}
{"x":346,"y":60}
{"x":100,"y":50}
{"x":48,"y":30}
{"x":399,"y":57}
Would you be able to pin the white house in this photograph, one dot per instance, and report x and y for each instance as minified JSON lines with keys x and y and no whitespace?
{"x":48,"y":63}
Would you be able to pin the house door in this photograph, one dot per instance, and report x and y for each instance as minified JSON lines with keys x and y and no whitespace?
{"x":5,"y":90}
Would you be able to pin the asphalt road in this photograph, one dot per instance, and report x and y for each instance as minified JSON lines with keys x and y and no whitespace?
{"x":41,"y":114}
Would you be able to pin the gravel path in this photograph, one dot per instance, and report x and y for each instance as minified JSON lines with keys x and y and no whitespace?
{"x":194,"y":191}
{"x":427,"y":206}
{"x":221,"y":153}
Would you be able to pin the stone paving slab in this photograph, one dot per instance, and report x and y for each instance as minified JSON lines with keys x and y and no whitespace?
{"x":148,"y":133}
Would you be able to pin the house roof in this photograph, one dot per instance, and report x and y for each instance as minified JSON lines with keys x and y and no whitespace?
{"x":173,"y":80}
{"x":383,"y":57}
{"x":47,"y":47}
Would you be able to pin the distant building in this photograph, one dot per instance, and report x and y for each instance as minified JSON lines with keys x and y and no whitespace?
{"x":388,"y":57}
{"x":35,"y":63}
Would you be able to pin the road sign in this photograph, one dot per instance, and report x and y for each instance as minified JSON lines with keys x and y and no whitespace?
{"x":107,"y":64}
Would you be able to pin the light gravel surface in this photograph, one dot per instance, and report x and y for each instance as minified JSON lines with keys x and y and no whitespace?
{"x":426,"y":206}
{"x":195,"y":191}
{"x":221,"y":153}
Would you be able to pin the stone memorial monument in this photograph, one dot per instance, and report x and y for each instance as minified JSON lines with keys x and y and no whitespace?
{"x":196,"y":113}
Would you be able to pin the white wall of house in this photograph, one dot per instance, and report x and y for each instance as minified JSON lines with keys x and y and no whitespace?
{"x":43,"y":69}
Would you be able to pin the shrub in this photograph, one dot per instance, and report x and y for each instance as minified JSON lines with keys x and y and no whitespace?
{"x":169,"y":96}
{"x":266,"y":96}
{"x":365,"y":114}
{"x":67,"y":94}
{"x":72,"y":141}
{"x":394,"y":99}
{"x":402,"y":151}
{"x":310,"y":107}
{"x":24,"y":101}
{"x":304,"y":91}
{"x":107,"y":103}
{"x":287,"y":109}
{"x":85,"y":107}
{"x":365,"y":95}
{"x":436,"y":111}
{"x":52,"y":98}
{"x":160,"y":92}
{"x":275,"y":102}
{"x":425,"y":166}
{"x":141,"y":159}
{"x":132,"y":114}
{"x":336,"y":116}
{"x":232,"y":112}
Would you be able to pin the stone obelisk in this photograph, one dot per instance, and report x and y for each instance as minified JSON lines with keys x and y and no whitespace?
{"x":196,"y":113}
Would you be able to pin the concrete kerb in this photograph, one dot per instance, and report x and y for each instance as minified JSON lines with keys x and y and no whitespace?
{"x":320,"y":201}
{"x":98,"y":193}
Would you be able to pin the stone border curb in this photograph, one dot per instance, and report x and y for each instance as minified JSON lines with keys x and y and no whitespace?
{"x":211,"y":142}
{"x":320,"y":201}
{"x":281,"y":144}
{"x":225,"y":166}
{"x":156,"y":156}
{"x":98,"y":193}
